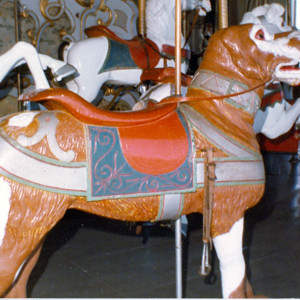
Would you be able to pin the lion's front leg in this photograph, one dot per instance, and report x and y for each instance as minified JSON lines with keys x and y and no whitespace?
{"x":229,"y":248}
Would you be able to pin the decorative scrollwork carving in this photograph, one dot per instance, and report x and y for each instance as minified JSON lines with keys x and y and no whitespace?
{"x":86,"y":3}
{"x":105,"y":9}
{"x":52,"y":11}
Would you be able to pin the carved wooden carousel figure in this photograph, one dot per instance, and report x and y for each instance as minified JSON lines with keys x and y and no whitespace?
{"x":24,"y":53}
{"x":113,"y":60}
{"x":185,"y":155}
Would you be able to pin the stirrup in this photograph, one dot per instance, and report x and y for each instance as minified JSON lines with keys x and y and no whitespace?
{"x":63,"y":72}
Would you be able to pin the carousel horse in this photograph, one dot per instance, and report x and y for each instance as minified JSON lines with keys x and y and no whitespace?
{"x":106,"y":58}
{"x":203,"y":158}
{"x":22,"y":53}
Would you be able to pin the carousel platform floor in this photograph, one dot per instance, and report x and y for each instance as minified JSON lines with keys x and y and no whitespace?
{"x":86,"y":256}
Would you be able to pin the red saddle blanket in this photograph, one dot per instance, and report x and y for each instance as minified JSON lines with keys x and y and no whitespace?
{"x":144,"y":52}
{"x":153,"y":159}
{"x":155,"y":148}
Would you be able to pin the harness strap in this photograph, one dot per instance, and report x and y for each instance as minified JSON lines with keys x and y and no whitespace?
{"x":143,"y":44}
{"x":209,"y":181}
{"x":192,"y":27}
{"x":180,"y":99}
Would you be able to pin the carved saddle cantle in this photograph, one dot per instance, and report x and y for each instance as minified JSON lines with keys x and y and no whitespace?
{"x":155,"y":142}
{"x":143,"y":52}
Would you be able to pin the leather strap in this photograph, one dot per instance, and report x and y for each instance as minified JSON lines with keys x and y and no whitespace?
{"x":209,"y":181}
{"x":192,"y":27}
{"x":181,"y":99}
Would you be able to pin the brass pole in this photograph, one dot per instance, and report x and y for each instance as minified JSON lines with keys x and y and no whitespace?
{"x":223,"y":14}
{"x":142,"y":21}
{"x":178,"y":47}
{"x":288,"y":12}
{"x":16,"y":12}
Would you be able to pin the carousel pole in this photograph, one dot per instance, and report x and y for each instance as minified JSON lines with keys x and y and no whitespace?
{"x":294,"y":6}
{"x":178,"y":241}
{"x":142,"y":21}
{"x":16,"y":14}
{"x":178,"y":47}
{"x":22,"y":105}
{"x":297,"y":15}
{"x":223,"y":13}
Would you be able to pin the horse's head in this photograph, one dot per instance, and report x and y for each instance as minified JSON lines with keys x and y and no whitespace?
{"x":251,"y":55}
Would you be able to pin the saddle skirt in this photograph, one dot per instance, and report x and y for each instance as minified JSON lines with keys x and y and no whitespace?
{"x":143,"y":52}
{"x":152,"y":158}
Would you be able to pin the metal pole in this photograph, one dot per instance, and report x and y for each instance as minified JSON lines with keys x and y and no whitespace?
{"x":178,"y":245}
{"x":178,"y":242}
{"x":292,"y":13}
{"x":16,"y":13}
{"x":178,"y":47}
{"x":142,"y":21}
{"x":223,"y":14}
{"x":22,"y":105}
{"x":297,"y":15}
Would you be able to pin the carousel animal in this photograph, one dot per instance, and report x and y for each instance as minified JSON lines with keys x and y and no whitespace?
{"x":203,"y":158}
{"x":22,"y":53}
{"x":113,"y":60}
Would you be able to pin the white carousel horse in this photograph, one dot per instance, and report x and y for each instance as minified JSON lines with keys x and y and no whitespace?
{"x":22,"y":53}
{"x":130,"y":171}
{"x":101,"y":59}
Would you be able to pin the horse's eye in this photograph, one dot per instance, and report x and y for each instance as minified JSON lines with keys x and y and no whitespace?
{"x":260,"y":35}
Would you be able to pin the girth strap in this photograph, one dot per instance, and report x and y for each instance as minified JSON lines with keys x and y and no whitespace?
{"x":209,"y":179}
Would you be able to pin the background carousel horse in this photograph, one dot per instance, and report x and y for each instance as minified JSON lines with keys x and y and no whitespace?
{"x":141,"y":174}
{"x":105,"y":58}
{"x":22,"y":53}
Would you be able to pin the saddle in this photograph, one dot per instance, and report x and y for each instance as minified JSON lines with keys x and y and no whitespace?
{"x":170,"y":51}
{"x":154,"y":141}
{"x":144,"y":52}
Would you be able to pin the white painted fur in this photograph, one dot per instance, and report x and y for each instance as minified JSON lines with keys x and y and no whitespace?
{"x":5,"y":192}
{"x":22,"y":120}
{"x":272,"y":14}
{"x":229,"y":248}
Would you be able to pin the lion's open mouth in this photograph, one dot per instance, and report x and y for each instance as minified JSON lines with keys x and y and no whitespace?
{"x":288,"y":73}
{"x":290,"y":68}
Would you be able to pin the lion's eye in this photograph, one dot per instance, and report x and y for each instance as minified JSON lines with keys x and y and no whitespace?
{"x":260,"y":35}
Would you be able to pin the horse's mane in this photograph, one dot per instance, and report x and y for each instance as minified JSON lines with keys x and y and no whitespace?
{"x":272,"y":17}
